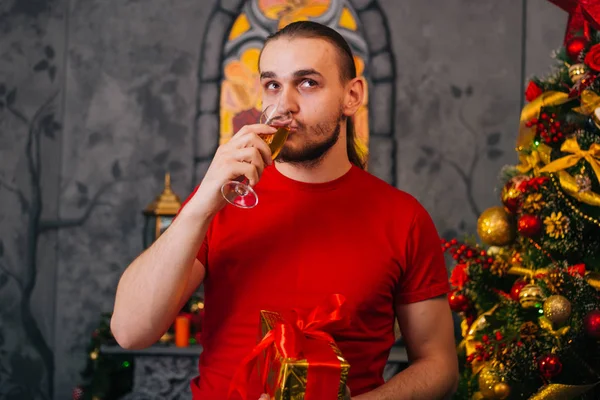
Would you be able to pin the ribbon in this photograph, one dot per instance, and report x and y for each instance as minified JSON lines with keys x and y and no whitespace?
{"x":571,"y":146}
{"x":533,"y":109}
{"x":470,"y":342}
{"x":529,"y":162}
{"x":592,"y":278}
{"x":567,"y":182}
{"x":558,"y":391}
{"x":589,"y":102}
{"x":582,"y":15}
{"x":546,"y":324}
{"x":299,"y":335}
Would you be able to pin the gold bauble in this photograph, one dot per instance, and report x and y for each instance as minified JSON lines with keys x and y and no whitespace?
{"x":501,"y":390}
{"x":576,"y":72}
{"x":488,"y":379}
{"x":494,"y":250}
{"x":94,"y":354}
{"x":531,"y":296}
{"x":557,"y":309}
{"x":496,"y":227}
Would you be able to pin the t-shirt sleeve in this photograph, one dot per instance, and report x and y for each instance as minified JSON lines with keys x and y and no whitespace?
{"x":202,"y":254}
{"x":424,"y":275}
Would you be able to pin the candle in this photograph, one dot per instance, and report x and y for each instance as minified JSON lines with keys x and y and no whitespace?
{"x":182,"y":331}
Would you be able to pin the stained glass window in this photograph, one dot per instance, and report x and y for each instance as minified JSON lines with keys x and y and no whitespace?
{"x":241,"y":91}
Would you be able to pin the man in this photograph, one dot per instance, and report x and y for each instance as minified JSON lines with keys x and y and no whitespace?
{"x":323,"y":226}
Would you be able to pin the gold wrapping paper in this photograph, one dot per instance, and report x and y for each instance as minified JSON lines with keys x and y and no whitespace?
{"x":286,"y":377}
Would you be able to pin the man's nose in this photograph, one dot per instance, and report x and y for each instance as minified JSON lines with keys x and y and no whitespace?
{"x":288,"y":101}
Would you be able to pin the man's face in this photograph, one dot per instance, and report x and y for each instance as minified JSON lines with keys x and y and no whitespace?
{"x":303,"y":74}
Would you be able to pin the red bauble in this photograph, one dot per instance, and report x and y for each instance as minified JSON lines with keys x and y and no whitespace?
{"x":591,"y":322}
{"x":549,"y":366}
{"x":458,"y":302}
{"x":575,"y":46}
{"x":529,"y":225}
{"x":77,"y":393}
{"x":516,"y":289}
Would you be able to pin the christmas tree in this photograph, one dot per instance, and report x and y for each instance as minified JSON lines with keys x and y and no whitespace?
{"x":528,"y":296}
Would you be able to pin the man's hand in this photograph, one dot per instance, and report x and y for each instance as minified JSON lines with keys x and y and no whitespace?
{"x":347,"y":397}
{"x":246,"y":154}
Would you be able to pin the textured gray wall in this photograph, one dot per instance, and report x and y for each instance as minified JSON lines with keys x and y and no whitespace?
{"x":120,"y":80}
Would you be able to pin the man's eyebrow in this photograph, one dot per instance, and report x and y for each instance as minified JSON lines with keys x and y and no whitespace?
{"x":297,"y":74}
{"x":267,"y":75}
{"x":306,"y":72}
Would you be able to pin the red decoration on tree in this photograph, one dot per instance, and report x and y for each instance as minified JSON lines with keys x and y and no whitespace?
{"x":516,"y":289}
{"x":533,"y":183}
{"x":459,"y":276}
{"x":550,"y":129}
{"x":529,"y":225}
{"x":533,"y":91}
{"x":591,"y":322}
{"x":592,"y":58}
{"x":77,"y":393}
{"x":458,"y":302}
{"x":550,"y":366}
{"x":582,"y":15}
{"x":511,"y":195}
{"x":575,"y":46}
{"x":578,"y":269}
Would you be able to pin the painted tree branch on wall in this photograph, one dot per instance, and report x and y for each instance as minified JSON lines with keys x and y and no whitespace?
{"x":42,"y":124}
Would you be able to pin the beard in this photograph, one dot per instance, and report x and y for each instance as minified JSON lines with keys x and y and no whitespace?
{"x":313,"y":151}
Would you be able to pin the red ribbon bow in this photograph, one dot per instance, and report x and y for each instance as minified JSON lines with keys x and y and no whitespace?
{"x":582,"y":14}
{"x":301,"y":335}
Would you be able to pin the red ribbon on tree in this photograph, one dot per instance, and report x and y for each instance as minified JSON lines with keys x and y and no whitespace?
{"x":301,"y":335}
{"x":582,"y":15}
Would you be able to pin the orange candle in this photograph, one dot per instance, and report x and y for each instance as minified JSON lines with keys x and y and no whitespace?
{"x":182,"y":331}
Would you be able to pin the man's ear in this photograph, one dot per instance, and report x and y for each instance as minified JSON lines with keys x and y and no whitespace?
{"x":355,"y":93}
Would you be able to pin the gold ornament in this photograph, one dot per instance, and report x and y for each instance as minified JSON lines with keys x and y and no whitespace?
{"x":516,"y":258}
{"x":584,"y":183}
{"x":488,"y":379}
{"x":94,"y":354}
{"x":576,"y":72}
{"x":197,"y":306}
{"x":167,"y":338}
{"x":557,"y":309}
{"x":499,"y":267}
{"x":555,"y":280}
{"x":496,"y":227}
{"x":501,"y":390}
{"x":533,"y":203}
{"x":531,"y":296}
{"x":528,"y":331}
{"x":557,"y":225}
{"x":495,"y":250}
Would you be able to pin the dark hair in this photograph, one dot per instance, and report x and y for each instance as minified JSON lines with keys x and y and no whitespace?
{"x":314,"y":30}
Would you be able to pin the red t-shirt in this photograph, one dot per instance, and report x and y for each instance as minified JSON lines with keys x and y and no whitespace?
{"x":357,"y":236}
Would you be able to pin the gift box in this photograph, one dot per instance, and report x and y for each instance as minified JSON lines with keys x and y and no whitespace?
{"x":285,"y":378}
{"x":296,"y":356}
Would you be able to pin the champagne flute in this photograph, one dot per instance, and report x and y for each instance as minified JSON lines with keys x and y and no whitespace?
{"x":238,"y":192}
